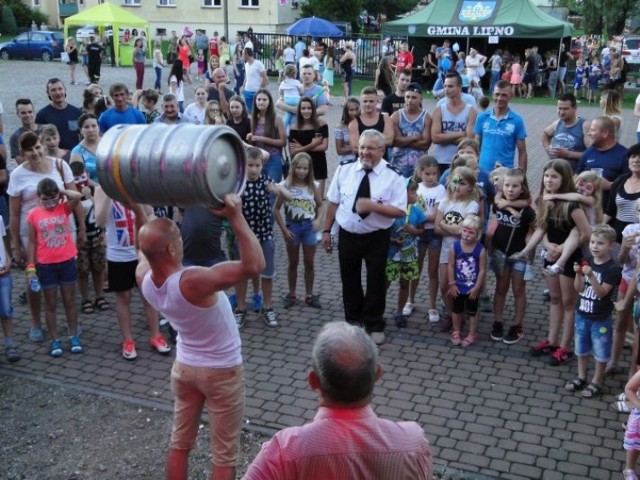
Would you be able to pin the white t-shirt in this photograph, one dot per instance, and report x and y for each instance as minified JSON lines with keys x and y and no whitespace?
{"x":312,"y":60}
{"x":23,"y":183}
{"x":120,"y":234}
{"x":453,"y":213}
{"x":179,"y":93}
{"x":428,"y":200}
{"x":289,"y":55}
{"x":629,"y":268}
{"x":254,"y":71}
{"x":290,"y":87}
{"x":195,"y":113}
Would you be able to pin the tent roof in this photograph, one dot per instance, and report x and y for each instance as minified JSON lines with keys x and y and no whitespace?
{"x":106,"y":14}
{"x":479,"y":18}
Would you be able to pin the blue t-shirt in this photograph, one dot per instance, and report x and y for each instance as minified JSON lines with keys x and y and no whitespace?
{"x":408,"y":251}
{"x":498,"y":138}
{"x":112,"y":117}
{"x":89,"y":159}
{"x":65,"y":120}
{"x":613,"y":163}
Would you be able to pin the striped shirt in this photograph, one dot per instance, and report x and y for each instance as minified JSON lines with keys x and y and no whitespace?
{"x":345,"y":444}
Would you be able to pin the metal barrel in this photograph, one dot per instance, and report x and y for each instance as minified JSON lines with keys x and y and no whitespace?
{"x":181,"y":165}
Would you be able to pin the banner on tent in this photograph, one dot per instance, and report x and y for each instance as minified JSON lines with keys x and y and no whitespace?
{"x":475,"y":31}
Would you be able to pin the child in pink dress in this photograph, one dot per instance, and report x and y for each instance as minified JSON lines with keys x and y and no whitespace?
{"x":516,"y":77}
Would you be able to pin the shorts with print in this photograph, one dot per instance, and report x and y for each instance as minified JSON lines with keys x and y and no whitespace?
{"x":431,"y":239}
{"x":462,"y":302}
{"x":593,"y":335}
{"x":406,"y":271}
{"x":121,"y":275}
{"x":92,"y":256}
{"x":302,"y":232}
{"x":53,"y":274}
{"x":222,"y":391}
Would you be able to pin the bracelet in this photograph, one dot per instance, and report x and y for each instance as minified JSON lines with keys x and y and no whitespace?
{"x":452,"y":283}
{"x":326,"y":231}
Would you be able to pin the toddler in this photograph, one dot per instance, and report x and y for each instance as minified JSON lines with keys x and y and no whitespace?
{"x":290,"y":91}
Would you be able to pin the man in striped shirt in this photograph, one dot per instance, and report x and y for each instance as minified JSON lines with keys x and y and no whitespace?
{"x":345,"y":439}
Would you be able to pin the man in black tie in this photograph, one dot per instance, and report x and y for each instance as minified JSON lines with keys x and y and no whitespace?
{"x":365,"y":197}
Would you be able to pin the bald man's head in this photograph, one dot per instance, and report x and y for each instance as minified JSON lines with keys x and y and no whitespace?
{"x":157,"y":237}
{"x":219,"y":75}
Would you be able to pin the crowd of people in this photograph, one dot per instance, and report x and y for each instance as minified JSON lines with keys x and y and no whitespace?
{"x":447,"y":186}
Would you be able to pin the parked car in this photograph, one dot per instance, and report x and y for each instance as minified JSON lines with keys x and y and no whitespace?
{"x":38,"y":44}
{"x":86,"y":31}
{"x":631,"y":49}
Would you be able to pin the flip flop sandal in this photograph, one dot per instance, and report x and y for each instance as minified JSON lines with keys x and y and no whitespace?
{"x":622,"y":397}
{"x":576,"y":385}
{"x":87,"y":307}
{"x":102,"y":304}
{"x":593,"y":390}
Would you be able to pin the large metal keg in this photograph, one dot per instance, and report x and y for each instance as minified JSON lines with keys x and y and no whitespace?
{"x":181,"y":165}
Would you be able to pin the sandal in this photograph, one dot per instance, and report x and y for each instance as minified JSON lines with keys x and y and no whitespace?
{"x":470,"y":340}
{"x":621,"y":406}
{"x":87,"y":306}
{"x":593,"y":390}
{"x":622,"y":397}
{"x":576,"y":385}
{"x":455,"y":338}
{"x":102,"y":304}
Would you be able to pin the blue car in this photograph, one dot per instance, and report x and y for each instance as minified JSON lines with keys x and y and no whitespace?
{"x":39,"y":44}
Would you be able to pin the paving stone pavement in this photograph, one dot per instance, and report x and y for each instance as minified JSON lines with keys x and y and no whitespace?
{"x":489,"y":409}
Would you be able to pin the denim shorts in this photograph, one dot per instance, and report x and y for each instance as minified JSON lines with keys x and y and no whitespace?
{"x":431,"y":239}
{"x":269,"y":252}
{"x":53,"y":274}
{"x":6,"y":309}
{"x":303,"y":233}
{"x":593,"y":335}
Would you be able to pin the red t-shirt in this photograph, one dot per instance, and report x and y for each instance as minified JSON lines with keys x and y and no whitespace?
{"x":213,"y":47}
{"x":405,"y":61}
{"x":54,"y":243}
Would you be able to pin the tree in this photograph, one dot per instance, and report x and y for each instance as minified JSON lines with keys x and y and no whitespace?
{"x":390,"y":8}
{"x":339,"y":10}
{"x":23,"y":15}
{"x":608,"y":16}
{"x":8,"y":24}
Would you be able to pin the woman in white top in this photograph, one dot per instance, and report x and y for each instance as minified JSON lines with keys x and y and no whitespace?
{"x":636,"y":112}
{"x":195,"y":111}
{"x":158,"y":64}
{"x":23,"y":198}
{"x":176,"y":83}
{"x":475,"y":65}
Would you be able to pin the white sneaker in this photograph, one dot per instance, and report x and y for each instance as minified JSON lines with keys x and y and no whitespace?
{"x":408,"y":309}
{"x":434,"y":316}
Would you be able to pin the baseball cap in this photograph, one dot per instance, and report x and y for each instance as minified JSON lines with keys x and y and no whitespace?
{"x":415,"y":87}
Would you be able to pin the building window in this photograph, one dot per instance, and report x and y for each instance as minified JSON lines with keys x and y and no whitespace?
{"x":131,"y":2}
{"x":250,"y":3}
{"x":36,"y":3}
{"x":166,"y":3}
{"x":212,"y":3}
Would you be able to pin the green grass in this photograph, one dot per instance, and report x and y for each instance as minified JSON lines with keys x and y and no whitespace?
{"x":630,"y":94}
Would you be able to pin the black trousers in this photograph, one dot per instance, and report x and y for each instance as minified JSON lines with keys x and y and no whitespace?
{"x":360,"y":307}
{"x":94,"y":70}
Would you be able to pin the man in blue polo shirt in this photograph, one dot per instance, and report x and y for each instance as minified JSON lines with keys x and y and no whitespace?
{"x":605,"y":154}
{"x":121,"y":112}
{"x":500,"y":131}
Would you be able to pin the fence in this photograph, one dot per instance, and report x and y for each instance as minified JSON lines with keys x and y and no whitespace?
{"x":367,"y":49}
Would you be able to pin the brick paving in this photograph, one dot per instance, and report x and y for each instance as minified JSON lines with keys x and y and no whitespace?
{"x":490,"y":409}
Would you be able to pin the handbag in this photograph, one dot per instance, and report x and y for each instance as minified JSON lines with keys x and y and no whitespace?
{"x":498,"y":258}
{"x":64,"y":57}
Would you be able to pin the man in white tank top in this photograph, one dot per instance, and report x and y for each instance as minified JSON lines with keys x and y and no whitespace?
{"x":208,"y":343}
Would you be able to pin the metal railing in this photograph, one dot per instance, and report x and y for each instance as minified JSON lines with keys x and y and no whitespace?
{"x":367,"y":49}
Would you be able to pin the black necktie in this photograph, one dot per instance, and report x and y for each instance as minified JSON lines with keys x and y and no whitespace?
{"x":364,"y":191}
